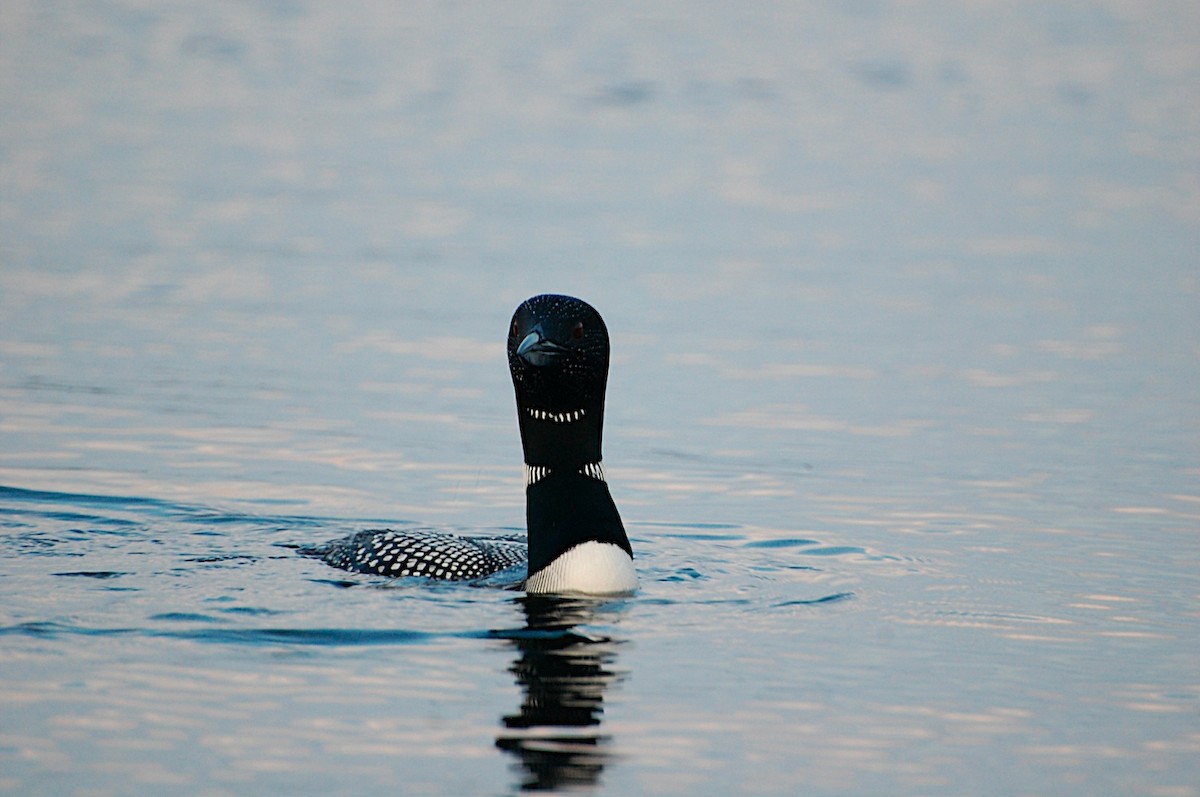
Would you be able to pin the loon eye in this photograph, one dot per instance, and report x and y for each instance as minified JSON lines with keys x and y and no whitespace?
{"x":512,"y":330}
{"x":577,"y":332}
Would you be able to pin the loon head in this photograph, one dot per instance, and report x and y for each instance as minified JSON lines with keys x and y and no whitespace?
{"x":558,"y":357}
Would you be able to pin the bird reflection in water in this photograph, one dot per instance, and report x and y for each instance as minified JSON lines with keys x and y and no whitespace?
{"x":563,"y":673}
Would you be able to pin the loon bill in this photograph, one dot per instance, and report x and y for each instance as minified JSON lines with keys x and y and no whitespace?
{"x":558,"y":355}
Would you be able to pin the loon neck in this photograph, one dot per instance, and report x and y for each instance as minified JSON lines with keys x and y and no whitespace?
{"x":567,"y":501}
{"x":562,"y":438}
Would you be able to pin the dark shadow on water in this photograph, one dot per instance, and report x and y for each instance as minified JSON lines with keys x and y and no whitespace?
{"x":564,"y":673}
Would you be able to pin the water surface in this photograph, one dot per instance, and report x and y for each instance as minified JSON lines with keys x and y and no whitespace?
{"x":902,"y":416}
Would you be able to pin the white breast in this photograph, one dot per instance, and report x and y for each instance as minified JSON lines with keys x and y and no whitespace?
{"x":593,"y":568}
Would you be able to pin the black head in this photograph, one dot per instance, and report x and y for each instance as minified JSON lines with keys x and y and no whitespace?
{"x":558,"y":358}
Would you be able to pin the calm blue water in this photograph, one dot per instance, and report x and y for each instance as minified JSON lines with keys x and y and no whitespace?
{"x":902,"y":419}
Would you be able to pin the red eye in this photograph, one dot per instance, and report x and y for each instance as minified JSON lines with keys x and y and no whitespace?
{"x":512,"y":331}
{"x":577,"y":332}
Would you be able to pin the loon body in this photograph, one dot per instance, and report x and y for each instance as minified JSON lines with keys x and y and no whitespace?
{"x":558,"y":355}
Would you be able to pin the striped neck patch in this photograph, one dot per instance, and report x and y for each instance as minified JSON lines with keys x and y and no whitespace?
{"x":535,"y":473}
{"x":555,"y":417}
{"x":593,"y":469}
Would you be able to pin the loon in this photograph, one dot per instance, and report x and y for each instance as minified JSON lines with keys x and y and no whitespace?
{"x":558,"y":354}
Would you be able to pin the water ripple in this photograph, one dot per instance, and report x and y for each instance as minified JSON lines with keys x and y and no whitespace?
{"x":834,"y":598}
{"x":324,"y":637}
